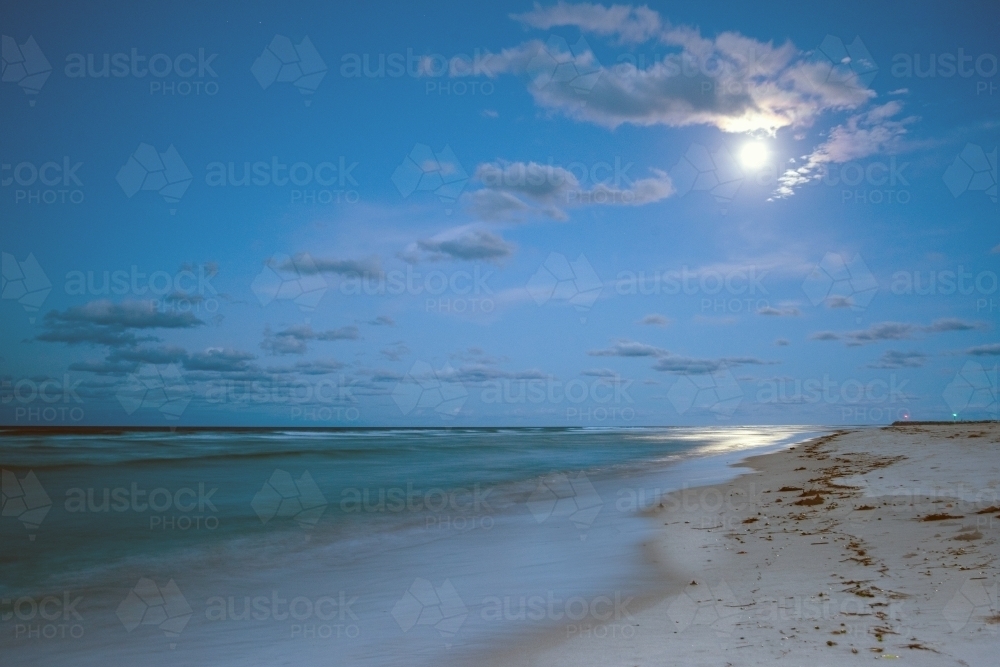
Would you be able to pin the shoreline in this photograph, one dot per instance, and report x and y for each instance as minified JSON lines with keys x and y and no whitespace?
{"x":709,"y":470}
{"x":859,"y":545}
{"x":537,"y":544}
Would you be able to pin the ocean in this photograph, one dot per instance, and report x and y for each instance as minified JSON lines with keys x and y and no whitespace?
{"x":361,"y":547}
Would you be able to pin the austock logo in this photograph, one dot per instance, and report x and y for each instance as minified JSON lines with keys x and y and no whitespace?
{"x":848,"y":66}
{"x":42,"y":399}
{"x":717,"y":392}
{"x":425,"y":604}
{"x":47,"y":617}
{"x":948,"y":65}
{"x":25,"y":65}
{"x":973,"y":389}
{"x":51,"y":182}
{"x":322,"y":617}
{"x":24,"y":282}
{"x":283,"y":496}
{"x":974,"y":170}
{"x":149,"y":604}
{"x":159,"y":387}
{"x":148,"y":170}
{"x":566,"y":496}
{"x":295,"y":279}
{"x":283,"y":61}
{"x":975,"y":605}
{"x":424,"y":170}
{"x":179,"y":75}
{"x":559,"y":279}
{"x":423,"y":388}
{"x":841,"y":283}
{"x":715,"y":608}
{"x":558,"y":64}
{"x":715,"y":172}
{"x":24,"y":499}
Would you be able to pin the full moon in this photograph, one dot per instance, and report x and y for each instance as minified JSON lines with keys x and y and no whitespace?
{"x":753,"y":155}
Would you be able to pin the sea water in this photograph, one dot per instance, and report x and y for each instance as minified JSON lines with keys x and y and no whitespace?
{"x":361,"y":547}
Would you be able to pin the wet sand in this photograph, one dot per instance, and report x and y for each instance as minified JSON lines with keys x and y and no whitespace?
{"x":874,"y":544}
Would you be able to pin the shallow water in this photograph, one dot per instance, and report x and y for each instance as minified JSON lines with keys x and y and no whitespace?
{"x":375,"y":547}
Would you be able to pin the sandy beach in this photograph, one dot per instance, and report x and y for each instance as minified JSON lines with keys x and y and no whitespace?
{"x":861,"y":545}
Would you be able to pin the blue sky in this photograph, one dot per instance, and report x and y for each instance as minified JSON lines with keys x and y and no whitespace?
{"x":531,"y":214}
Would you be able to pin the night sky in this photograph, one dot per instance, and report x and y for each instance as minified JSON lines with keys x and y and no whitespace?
{"x":312,"y":214}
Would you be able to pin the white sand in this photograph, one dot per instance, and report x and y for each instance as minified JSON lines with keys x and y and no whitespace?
{"x":860,"y":576}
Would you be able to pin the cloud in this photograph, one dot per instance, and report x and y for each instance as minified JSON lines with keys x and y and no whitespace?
{"x":473,"y":374}
{"x":395,"y":352}
{"x":278,"y":344}
{"x":952,"y":324}
{"x":630,"y":24}
{"x":113,"y":324}
{"x":103,"y":367}
{"x":467,"y":243}
{"x":127,"y":315}
{"x":293,"y":340}
{"x":991,"y":350}
{"x":894,"y":359}
{"x":344,"y":267}
{"x":839,"y":302}
{"x":869,"y":133}
{"x":782,"y":342}
{"x":896,"y":331}
{"x":121,"y":361}
{"x":382,"y":321}
{"x":628,"y":348}
{"x":880,"y":331}
{"x":287,"y":373}
{"x":540,"y":182}
{"x":477,"y":356}
{"x":668,"y":363}
{"x":494,"y":205}
{"x":732,"y":82}
{"x":166,"y":354}
{"x":874,"y":131}
{"x":600,"y":373}
{"x":385,"y":376}
{"x":995,"y":250}
{"x":513,"y":191}
{"x":687,"y":365}
{"x":655,"y":319}
{"x":178,"y":297}
{"x":318,"y":367}
{"x":770,"y":311}
{"x":876,"y":332}
{"x":349,"y":332}
{"x":219,"y":359}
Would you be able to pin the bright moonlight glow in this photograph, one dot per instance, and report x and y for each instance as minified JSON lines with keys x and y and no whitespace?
{"x":753,"y":155}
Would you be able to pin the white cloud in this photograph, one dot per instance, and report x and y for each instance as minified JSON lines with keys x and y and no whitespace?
{"x":630,"y":24}
{"x":629,"y":348}
{"x":655,"y":319}
{"x":784,"y":311}
{"x":864,"y":134}
{"x":514,"y":191}
{"x":730,"y":81}
{"x":468,"y":243}
{"x":896,"y":359}
{"x":882,"y":331}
